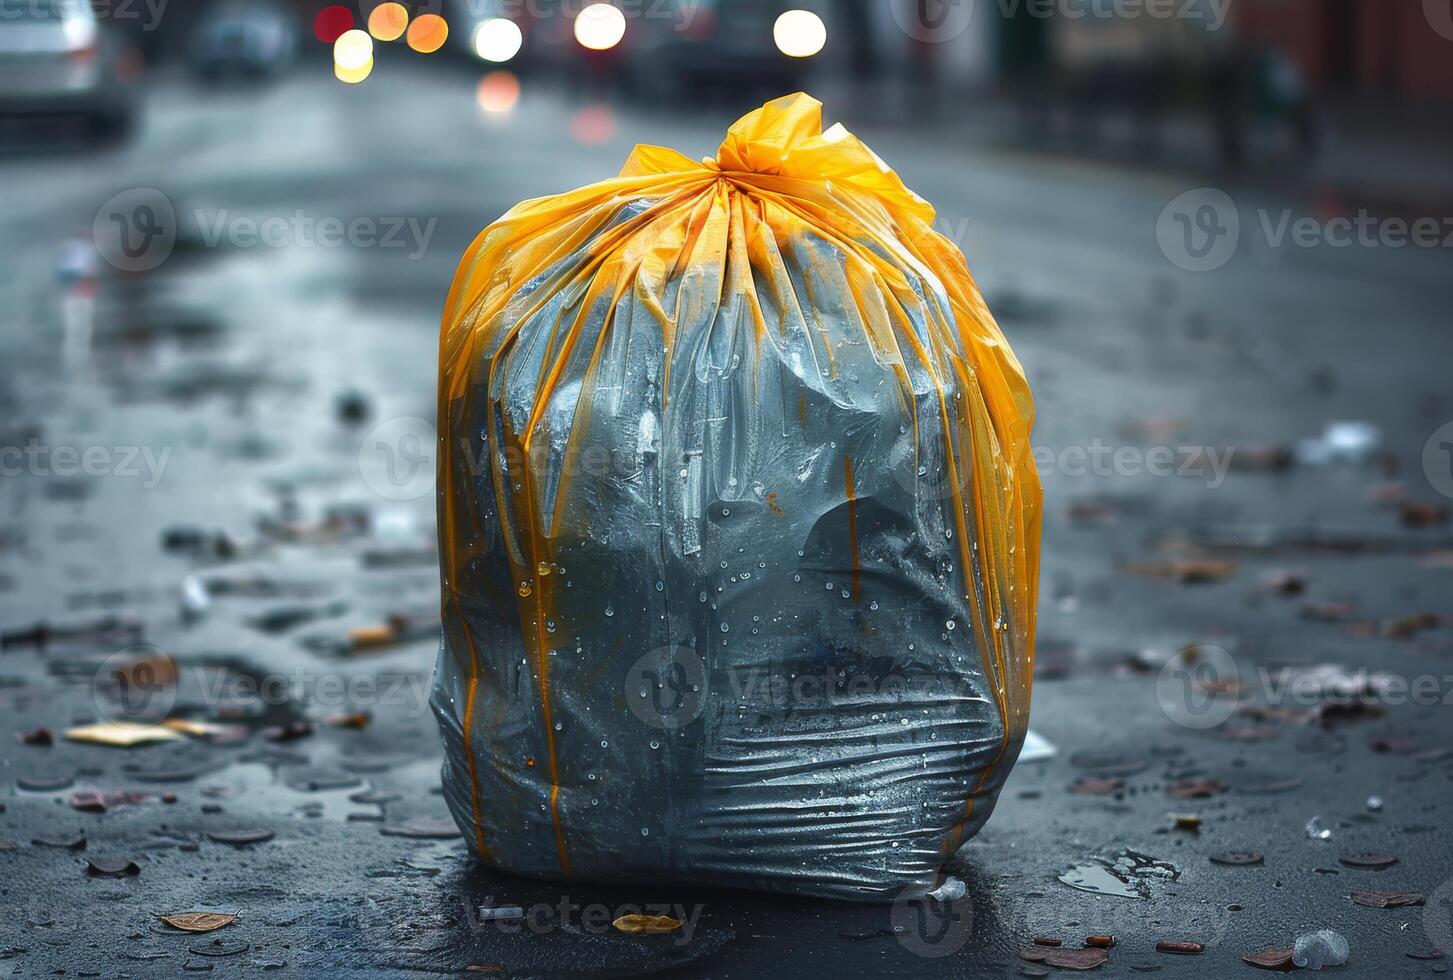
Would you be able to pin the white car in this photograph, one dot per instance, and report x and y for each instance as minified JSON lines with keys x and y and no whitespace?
{"x":57,"y":58}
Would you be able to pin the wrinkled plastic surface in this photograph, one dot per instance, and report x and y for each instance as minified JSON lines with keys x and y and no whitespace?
{"x":739,"y":527}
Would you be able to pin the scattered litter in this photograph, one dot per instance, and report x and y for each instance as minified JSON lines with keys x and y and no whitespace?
{"x":196,"y":601}
{"x":1315,"y":830}
{"x":123,"y":734}
{"x":96,"y":801}
{"x":1036,"y":748}
{"x":112,"y":867}
{"x":951,"y":890}
{"x":37,"y":736}
{"x":1066,"y":959}
{"x":500,"y":913}
{"x":198,"y":921}
{"x":1342,"y":442}
{"x":1368,"y":860}
{"x":1270,"y":959}
{"x":1387,"y":900}
{"x":647,"y":923}
{"x":1417,"y":515}
{"x":1238,"y":859}
{"x":240,"y":838}
{"x":1314,"y":950}
{"x":1195,"y":789}
{"x":1181,"y":948}
{"x":1374,"y":803}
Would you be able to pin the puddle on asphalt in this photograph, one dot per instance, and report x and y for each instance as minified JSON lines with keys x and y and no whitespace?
{"x":1127,"y":874}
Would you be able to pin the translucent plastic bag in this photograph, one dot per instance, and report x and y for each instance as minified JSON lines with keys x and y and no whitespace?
{"x":739,"y":527}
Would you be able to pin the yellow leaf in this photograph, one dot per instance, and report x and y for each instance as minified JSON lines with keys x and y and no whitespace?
{"x":647,"y":923}
{"x":122,"y":733}
{"x":198,"y":921}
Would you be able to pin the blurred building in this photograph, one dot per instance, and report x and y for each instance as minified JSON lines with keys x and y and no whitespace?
{"x":1395,"y":48}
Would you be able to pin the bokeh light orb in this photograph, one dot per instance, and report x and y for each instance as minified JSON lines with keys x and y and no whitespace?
{"x":353,"y":75}
{"x":498,"y":92}
{"x":428,"y":33}
{"x":498,"y":39}
{"x":353,"y":50}
{"x":593,"y":125}
{"x":388,"y":21}
{"x":800,"y":34}
{"x":600,"y":27}
{"x":331,"y":22}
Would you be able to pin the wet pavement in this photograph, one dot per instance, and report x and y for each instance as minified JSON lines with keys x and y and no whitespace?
{"x":223,"y":515}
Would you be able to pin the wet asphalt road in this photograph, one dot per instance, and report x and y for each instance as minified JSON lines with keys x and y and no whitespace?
{"x":229,"y":398}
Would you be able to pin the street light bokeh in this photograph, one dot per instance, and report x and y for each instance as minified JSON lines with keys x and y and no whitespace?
{"x":498,"y":39}
{"x":600,"y":27}
{"x":800,"y":34}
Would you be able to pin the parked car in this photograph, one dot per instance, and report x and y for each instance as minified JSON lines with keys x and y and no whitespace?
{"x":58,"y":59}
{"x":252,"y":40}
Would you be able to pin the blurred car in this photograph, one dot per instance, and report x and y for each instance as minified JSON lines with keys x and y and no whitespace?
{"x":254,"y":40}
{"x":57,"y":58}
{"x":726,"y":44}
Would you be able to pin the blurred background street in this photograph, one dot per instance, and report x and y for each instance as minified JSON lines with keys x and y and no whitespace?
{"x":1217,"y":235}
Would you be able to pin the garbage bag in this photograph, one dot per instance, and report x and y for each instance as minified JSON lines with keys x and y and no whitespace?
{"x":738,"y":527}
